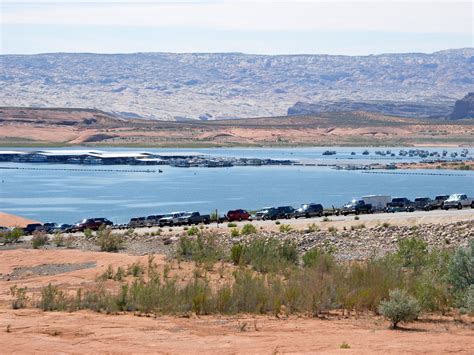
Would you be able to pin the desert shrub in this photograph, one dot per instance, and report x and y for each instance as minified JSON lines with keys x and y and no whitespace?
{"x":236,"y":252}
{"x":277,"y":222}
{"x":332,"y":229}
{"x":20,"y":300}
{"x":234,"y":232}
{"x":109,"y":241}
{"x":313,"y":228}
{"x":366,"y":284}
{"x":248,"y":229}
{"x":400,"y":307}
{"x":88,"y":233}
{"x":344,"y":345}
{"x":202,"y":249}
{"x":326,"y":219}
{"x":11,"y":236}
{"x":412,"y":252}
{"x":249,"y":292}
{"x":316,"y":257}
{"x":120,"y":274}
{"x":231,"y":225}
{"x":193,"y":231}
{"x":467,"y":305}
{"x":356,"y":218}
{"x":39,"y":239}
{"x":53,"y":299}
{"x":385,"y":224}
{"x":270,"y":255}
{"x":461,"y":268}
{"x":58,"y":239}
{"x":136,"y":269}
{"x":285,"y":228}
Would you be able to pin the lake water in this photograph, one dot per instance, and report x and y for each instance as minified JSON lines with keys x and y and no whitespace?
{"x":67,"y":196}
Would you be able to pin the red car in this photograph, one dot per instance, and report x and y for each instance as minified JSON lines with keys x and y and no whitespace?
{"x":238,"y":215}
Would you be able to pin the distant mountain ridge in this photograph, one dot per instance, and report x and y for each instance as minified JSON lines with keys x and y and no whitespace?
{"x":211,"y":86}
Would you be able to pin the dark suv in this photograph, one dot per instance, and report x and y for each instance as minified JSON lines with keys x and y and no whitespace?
{"x":400,"y":204}
{"x":238,"y":215}
{"x":285,"y":212}
{"x":356,"y":207}
{"x":309,"y":210}
{"x":91,"y":223}
{"x":33,"y":227}
{"x":422,"y":203}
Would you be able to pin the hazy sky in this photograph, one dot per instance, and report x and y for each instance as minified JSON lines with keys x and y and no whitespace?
{"x":263,"y":27}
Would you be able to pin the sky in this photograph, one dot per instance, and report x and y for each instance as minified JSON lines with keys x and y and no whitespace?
{"x":350,"y":27}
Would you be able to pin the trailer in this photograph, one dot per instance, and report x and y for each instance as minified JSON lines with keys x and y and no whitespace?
{"x":378,"y":202}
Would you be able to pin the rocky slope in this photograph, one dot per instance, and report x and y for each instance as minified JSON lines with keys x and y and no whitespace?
{"x":464,"y":108}
{"x":425,"y":109}
{"x":211,"y":86}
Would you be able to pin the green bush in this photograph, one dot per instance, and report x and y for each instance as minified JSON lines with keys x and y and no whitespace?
{"x":412,"y":252}
{"x":285,"y":228}
{"x":88,"y":233}
{"x":11,"y":236}
{"x":313,"y":228}
{"x":108,"y":241}
{"x":270,"y":255}
{"x":202,"y":249}
{"x":58,"y":239}
{"x":236,"y":253}
{"x":20,"y":299}
{"x":248,"y":229}
{"x":231,"y":225}
{"x":468,"y":301}
{"x":39,"y":239}
{"x":400,"y":307}
{"x":316,"y":257}
{"x":461,"y":268}
{"x":234,"y":232}
{"x":193,"y":231}
{"x":277,"y":222}
{"x":53,"y":299}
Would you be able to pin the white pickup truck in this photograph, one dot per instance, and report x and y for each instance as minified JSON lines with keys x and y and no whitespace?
{"x":172,"y":219}
{"x":458,"y":201}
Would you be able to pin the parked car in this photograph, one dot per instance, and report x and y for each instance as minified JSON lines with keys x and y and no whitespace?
{"x":422,"y":203}
{"x":64,"y":227}
{"x":356,"y":207}
{"x":172,"y":219}
{"x":309,"y":210}
{"x":458,"y":201}
{"x":137,"y":222}
{"x":238,"y":215}
{"x":438,"y":202}
{"x":261,"y":214}
{"x":90,"y":223}
{"x":32,"y":227}
{"x":285,"y":212}
{"x":270,"y":213}
{"x":400,"y":204}
{"x":50,"y":227}
{"x":195,"y":218}
{"x":153,"y":220}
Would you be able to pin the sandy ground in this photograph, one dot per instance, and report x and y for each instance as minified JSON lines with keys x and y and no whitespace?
{"x":10,"y":220}
{"x":34,"y":331}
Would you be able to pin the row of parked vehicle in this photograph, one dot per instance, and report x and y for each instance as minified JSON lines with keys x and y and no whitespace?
{"x":367,"y":204}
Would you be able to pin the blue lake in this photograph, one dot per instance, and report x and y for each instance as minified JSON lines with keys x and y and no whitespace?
{"x":67,"y":196}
